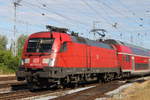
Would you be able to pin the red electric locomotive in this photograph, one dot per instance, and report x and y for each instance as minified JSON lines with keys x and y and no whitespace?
{"x":57,"y":58}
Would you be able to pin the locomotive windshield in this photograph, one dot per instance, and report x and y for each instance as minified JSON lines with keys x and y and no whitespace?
{"x":40,"y":45}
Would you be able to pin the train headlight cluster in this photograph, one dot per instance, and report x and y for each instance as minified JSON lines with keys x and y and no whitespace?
{"x":25,"y":61}
{"x":47,"y":61}
{"x":22,"y":62}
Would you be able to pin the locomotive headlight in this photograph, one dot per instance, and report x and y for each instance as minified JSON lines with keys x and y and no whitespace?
{"x":27,"y":60}
{"x":47,"y":61}
{"x":22,"y":62}
{"x":51,"y":61}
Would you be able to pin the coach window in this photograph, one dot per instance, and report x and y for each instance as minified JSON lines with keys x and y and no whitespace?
{"x":127,"y":58}
{"x":63,"y":47}
{"x":124,"y":57}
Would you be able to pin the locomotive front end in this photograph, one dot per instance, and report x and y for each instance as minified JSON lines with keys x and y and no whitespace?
{"x":40,"y":51}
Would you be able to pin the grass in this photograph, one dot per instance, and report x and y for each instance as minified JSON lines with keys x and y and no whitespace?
{"x":141,"y":93}
{"x":138,"y":91}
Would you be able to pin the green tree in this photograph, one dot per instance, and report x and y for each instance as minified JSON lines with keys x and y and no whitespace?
{"x":20,"y":42}
{"x":3,"y":42}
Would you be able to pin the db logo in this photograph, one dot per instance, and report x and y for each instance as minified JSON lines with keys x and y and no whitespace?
{"x":36,"y":60}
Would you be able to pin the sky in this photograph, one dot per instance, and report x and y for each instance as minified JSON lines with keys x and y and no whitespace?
{"x":124,"y":20}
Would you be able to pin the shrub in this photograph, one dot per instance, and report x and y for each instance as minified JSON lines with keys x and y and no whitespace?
{"x":8,"y":62}
{"x":5,"y":70}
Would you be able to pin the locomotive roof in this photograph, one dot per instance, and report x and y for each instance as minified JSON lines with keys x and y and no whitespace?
{"x":135,"y":49}
{"x":91,"y":42}
{"x":82,"y":40}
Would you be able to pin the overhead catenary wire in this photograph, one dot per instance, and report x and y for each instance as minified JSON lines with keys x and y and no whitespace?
{"x":117,"y":11}
{"x":133,"y":13}
{"x":115,"y":23}
{"x":96,"y":12}
{"x":70,"y":7}
{"x":129,"y":10}
{"x":56,"y":13}
{"x":46,"y":14}
{"x":24,"y":22}
{"x":40,"y":13}
{"x":43,"y":14}
{"x":10,"y":30}
{"x":122,"y":14}
{"x":139,"y":19}
{"x":71,"y":22}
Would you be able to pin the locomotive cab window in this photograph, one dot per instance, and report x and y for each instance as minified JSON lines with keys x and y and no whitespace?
{"x":40,"y":45}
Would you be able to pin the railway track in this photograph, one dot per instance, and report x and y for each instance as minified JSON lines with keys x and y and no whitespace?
{"x":92,"y":93}
{"x":102,"y":90}
{"x":26,"y":94}
{"x":11,"y":89}
{"x":9,"y":83}
{"x":7,"y":78}
{"x":79,"y":93}
{"x":96,"y":90}
{"x":20,"y":94}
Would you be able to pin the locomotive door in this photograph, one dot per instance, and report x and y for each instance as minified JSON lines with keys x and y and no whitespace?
{"x":88,"y":57}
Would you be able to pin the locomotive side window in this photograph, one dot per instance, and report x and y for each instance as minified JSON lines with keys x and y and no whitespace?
{"x":63,"y":47}
{"x":40,"y":45}
{"x":91,"y":42}
{"x":79,"y":40}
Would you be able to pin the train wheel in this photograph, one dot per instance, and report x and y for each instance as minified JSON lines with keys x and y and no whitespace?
{"x":33,"y":84}
{"x":106,"y":77}
{"x":99,"y":79}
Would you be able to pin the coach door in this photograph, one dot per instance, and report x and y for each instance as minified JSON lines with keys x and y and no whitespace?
{"x":133,"y":63}
{"x":126,"y":62}
{"x":149,"y":63}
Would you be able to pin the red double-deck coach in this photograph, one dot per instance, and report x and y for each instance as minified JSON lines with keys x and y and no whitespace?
{"x":134,"y":60}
